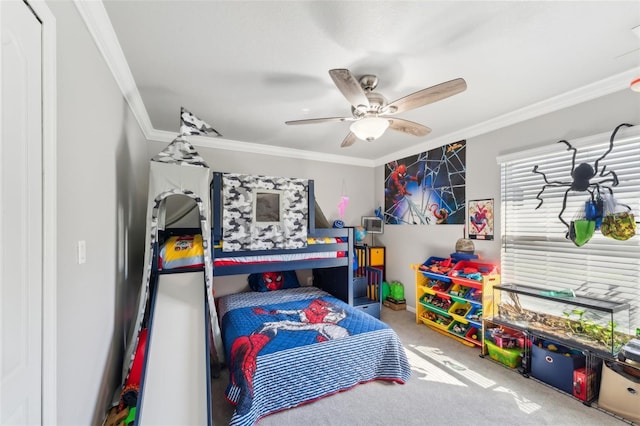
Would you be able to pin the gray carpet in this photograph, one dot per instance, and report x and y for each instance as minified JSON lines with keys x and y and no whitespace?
{"x":450,"y":385}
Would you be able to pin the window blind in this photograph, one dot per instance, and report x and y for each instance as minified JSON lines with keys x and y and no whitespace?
{"x":534,"y":248}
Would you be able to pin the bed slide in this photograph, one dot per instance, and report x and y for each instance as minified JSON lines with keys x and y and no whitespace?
{"x":175,"y":383}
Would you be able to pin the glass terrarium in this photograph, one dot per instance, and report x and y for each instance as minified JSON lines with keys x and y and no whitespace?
{"x":582,"y":321}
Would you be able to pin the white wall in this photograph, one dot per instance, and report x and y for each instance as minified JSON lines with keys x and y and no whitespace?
{"x":407,"y":245}
{"x":102,"y":176}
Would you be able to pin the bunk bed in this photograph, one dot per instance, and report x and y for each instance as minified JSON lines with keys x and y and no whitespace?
{"x":292,"y":346}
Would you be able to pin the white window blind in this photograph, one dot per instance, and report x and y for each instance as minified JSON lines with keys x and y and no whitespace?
{"x":534,"y":248}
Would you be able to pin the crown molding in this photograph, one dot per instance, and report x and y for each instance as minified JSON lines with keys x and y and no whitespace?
{"x":256,"y":148}
{"x":586,"y":93}
{"x":99,"y":25}
{"x":97,"y":21}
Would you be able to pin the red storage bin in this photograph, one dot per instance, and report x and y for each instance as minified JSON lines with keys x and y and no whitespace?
{"x":584,"y":385}
{"x":470,"y":273}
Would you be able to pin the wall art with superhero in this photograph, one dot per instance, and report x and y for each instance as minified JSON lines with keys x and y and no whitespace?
{"x":427,"y":188}
{"x":481,"y":219}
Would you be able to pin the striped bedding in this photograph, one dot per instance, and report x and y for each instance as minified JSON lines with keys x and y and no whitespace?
{"x":287,"y":257}
{"x":288,"y":347}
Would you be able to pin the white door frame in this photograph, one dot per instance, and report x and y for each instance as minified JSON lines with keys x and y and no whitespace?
{"x":49,"y":210}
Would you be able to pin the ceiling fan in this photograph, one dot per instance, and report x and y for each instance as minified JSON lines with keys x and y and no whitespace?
{"x":372,"y":114}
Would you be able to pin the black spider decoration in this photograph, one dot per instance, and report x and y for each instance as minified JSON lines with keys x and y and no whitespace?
{"x":582,"y":177}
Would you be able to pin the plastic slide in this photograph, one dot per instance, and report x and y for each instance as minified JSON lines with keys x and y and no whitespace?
{"x":175,"y":381}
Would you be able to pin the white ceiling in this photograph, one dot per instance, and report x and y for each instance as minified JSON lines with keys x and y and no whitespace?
{"x":246,"y":67}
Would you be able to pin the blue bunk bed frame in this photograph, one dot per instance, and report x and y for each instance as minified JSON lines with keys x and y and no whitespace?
{"x":341,"y":284}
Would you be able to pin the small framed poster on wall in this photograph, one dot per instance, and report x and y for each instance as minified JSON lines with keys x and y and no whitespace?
{"x":480,"y":213}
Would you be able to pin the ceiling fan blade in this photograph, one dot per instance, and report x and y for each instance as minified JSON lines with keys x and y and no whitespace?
{"x":427,"y":96}
{"x":349,"y":86}
{"x":348,"y":140}
{"x":319,"y":120}
{"x":409,"y":127}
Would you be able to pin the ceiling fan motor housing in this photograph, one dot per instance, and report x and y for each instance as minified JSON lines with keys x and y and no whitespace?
{"x":368,"y":82}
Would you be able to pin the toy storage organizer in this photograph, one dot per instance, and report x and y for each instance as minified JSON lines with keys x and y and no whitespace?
{"x":453,"y":294}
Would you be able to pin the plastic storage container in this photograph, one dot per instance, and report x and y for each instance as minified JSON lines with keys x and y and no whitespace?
{"x":619,"y":392}
{"x":469,"y":273}
{"x":509,"y":357}
{"x":459,"y":328}
{"x":460,"y":309}
{"x":437,"y":267}
{"x":473,"y":334}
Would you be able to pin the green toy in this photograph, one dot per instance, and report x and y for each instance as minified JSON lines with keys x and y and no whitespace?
{"x":397,"y":290}
{"x":131,"y":418}
{"x":386,"y":290}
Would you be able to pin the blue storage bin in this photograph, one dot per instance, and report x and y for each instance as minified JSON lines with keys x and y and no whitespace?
{"x":442,"y":276}
{"x":555,"y":367}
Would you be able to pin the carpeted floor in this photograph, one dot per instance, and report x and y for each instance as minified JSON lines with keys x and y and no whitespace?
{"x":450,"y":385}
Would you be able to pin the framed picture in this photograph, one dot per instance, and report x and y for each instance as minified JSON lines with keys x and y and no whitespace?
{"x":480,"y":213}
{"x":373,"y":224}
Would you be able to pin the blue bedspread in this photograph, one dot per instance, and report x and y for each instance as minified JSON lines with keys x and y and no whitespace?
{"x":288,"y":347}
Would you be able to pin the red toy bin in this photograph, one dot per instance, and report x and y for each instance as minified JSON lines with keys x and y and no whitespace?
{"x":473,"y":334}
{"x":464,"y":273}
{"x":434,"y":267}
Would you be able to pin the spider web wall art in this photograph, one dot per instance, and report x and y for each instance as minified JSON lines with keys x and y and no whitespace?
{"x":427,"y":188}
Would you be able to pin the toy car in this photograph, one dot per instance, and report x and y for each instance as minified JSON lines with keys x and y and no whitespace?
{"x":631,"y":351}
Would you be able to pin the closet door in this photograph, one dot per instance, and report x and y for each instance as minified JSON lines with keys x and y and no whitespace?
{"x":21,"y":216}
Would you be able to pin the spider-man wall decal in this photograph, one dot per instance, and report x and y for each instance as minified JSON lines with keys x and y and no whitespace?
{"x":582,"y":178}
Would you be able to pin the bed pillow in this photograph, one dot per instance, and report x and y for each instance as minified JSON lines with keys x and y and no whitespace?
{"x":270,"y":281}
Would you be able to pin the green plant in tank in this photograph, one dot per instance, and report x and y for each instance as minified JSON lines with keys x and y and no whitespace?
{"x":575,"y":326}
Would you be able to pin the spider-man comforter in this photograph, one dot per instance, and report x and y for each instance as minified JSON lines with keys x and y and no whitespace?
{"x":288,"y":347}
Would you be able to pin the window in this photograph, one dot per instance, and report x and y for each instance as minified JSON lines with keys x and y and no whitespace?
{"x":268,"y":208}
{"x":534,"y":248}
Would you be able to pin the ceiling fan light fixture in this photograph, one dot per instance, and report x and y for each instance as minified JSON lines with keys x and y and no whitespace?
{"x":635,"y":85}
{"x":369,"y":128}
